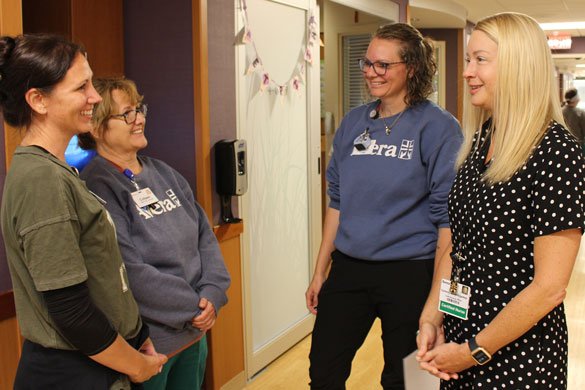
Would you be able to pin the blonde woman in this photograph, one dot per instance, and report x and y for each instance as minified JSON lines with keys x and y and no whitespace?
{"x":516,"y":212}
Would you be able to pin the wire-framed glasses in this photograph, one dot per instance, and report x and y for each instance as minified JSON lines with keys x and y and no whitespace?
{"x":379,"y":67}
{"x":130,"y":116}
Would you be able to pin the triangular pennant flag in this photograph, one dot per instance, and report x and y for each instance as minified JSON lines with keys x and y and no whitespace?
{"x":265,"y":81}
{"x":253,"y":66}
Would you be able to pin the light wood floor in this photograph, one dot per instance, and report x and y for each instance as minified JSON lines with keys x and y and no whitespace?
{"x":290,"y":371}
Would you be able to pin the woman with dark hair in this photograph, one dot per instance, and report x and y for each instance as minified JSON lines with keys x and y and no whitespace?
{"x":391,"y":170}
{"x":79,"y":319}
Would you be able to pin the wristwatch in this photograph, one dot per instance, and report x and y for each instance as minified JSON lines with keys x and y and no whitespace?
{"x":479,"y":354}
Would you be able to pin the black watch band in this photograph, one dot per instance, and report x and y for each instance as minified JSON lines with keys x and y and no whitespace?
{"x":479,"y":354}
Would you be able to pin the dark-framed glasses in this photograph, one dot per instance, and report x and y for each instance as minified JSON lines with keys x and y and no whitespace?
{"x":379,"y":67}
{"x":130,"y":116}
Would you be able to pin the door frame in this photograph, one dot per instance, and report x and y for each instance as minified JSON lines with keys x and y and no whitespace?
{"x":255,"y":361}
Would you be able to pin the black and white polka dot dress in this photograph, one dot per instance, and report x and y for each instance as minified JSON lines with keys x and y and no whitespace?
{"x":494,"y":227}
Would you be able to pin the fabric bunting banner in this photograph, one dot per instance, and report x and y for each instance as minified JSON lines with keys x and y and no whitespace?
{"x":256,"y":67}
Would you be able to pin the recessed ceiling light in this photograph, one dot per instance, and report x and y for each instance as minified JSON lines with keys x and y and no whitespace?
{"x":580,"y":66}
{"x":563,"y":26}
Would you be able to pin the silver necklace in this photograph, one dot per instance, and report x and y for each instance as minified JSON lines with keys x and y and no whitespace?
{"x":389,"y":128}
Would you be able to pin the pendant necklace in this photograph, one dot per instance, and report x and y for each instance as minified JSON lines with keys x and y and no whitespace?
{"x":389,"y":128}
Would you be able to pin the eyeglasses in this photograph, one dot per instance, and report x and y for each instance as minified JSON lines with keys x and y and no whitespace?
{"x":130,"y":115}
{"x":379,"y":67}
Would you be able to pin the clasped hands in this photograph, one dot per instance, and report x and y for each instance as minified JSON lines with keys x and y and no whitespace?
{"x":206,"y":319}
{"x":441,"y":359}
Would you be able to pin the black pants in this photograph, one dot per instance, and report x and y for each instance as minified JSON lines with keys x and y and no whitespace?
{"x":43,"y":368}
{"x":354,"y":294}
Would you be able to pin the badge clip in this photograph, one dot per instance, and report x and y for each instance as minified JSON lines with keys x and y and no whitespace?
{"x":363,"y":141}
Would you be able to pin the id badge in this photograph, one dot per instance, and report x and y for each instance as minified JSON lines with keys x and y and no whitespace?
{"x":144,"y":197}
{"x":455,"y":304}
{"x":362,"y":141}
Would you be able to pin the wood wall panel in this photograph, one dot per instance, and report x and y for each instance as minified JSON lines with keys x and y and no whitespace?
{"x":10,"y":17}
{"x":10,"y":348}
{"x":99,"y":26}
{"x":201,"y":101}
{"x":12,"y":138}
{"x":10,"y":341}
{"x":7,"y":309}
{"x":47,"y":16}
{"x":96,"y":24}
{"x":226,"y":339}
{"x":10,"y":24}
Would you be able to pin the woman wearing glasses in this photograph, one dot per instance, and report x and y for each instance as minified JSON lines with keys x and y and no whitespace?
{"x":389,"y":177}
{"x":173,"y":261}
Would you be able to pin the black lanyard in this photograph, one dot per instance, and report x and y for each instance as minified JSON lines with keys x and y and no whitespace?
{"x":456,"y":255}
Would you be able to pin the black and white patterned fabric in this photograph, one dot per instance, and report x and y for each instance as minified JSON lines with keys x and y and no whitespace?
{"x":494,"y":227}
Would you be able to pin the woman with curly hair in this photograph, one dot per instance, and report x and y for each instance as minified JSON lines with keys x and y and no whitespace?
{"x":391,"y":170}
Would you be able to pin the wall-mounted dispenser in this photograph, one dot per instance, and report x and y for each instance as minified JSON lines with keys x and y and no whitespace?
{"x":231,"y":177}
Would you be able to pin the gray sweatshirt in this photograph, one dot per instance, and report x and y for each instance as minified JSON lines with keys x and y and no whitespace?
{"x":171,"y":254}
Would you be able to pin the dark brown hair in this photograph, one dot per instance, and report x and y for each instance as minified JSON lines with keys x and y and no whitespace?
{"x":570,"y":94}
{"x":31,"y":61}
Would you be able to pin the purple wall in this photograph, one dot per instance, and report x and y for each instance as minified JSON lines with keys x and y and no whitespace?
{"x":222,"y":82}
{"x":159,"y":57}
{"x":451,"y":58}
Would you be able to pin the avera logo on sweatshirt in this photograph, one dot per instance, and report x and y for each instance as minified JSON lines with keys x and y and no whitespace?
{"x":403,"y":153}
{"x":160,"y":207}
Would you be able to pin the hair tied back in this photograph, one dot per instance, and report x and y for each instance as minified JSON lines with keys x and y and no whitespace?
{"x":7,"y":45}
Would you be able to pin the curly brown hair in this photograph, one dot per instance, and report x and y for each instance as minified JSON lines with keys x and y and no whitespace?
{"x":418,"y":54}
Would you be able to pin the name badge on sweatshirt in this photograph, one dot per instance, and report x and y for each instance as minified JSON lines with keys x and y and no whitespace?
{"x":144,"y":197}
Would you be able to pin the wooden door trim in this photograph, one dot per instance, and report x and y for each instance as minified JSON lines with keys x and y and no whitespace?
{"x":7,"y":309}
{"x":201,"y":100}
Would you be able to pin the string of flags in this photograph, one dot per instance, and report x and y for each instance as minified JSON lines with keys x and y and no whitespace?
{"x":256,"y":67}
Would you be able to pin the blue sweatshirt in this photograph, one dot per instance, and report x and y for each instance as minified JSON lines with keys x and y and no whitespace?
{"x":171,"y":254}
{"x":392,"y":196}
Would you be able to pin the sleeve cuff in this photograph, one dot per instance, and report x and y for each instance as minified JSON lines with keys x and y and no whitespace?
{"x":214,"y":295}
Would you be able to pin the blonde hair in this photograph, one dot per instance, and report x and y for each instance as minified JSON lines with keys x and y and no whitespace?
{"x":525,"y":96}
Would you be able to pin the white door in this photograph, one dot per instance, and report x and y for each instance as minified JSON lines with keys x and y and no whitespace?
{"x":282,"y":208}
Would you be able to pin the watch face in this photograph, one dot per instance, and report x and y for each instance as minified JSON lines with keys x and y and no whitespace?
{"x":481,"y":356}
